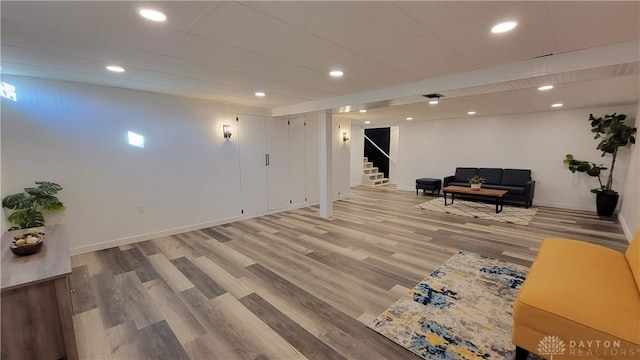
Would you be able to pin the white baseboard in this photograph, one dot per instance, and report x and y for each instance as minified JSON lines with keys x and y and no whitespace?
{"x":168,"y":232}
{"x":143,"y":237}
{"x":625,"y":228}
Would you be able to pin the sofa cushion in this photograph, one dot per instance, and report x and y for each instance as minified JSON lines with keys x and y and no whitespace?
{"x":515,"y":177}
{"x":633,"y":258}
{"x":464,"y":174}
{"x":512,"y":190}
{"x":491,"y":175}
{"x":573,"y":286}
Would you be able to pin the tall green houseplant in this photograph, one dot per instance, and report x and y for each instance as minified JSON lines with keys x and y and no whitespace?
{"x":613,"y":134}
{"x":28,"y":205}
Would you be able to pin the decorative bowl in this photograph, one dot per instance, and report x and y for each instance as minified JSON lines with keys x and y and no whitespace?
{"x":23,"y":244}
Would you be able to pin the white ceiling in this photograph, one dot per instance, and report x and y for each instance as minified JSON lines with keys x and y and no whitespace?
{"x":225,"y":50}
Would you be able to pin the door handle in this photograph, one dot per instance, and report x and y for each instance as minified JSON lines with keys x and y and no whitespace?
{"x":266,"y":158}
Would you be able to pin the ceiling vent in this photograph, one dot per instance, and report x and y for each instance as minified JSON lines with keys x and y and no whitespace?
{"x":433,"y":96}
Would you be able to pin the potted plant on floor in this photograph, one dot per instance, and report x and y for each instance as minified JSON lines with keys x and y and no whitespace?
{"x":476,"y":182}
{"x":28,"y":205}
{"x":614,"y":134}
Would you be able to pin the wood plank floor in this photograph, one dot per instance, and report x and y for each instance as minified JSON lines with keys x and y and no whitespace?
{"x":290,"y":285}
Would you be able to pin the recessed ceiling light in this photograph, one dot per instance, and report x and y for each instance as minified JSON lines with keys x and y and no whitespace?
{"x":503,"y":27}
{"x":433,"y":102}
{"x":115,"y":68}
{"x":545,"y":87}
{"x":336,"y":73}
{"x":409,"y":118}
{"x":557,"y":105}
{"x":367,"y":122}
{"x":363,"y":111}
{"x":260,"y":94}
{"x":153,"y":15}
{"x":471,"y":112}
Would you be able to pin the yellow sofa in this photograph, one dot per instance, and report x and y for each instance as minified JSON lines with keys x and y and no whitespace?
{"x":580,"y":301}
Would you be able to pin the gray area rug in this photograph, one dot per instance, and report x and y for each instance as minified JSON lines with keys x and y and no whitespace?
{"x":481,"y":210}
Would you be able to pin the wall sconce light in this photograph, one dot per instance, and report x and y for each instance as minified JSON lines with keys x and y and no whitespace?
{"x":345,"y":137}
{"x":226,"y":130}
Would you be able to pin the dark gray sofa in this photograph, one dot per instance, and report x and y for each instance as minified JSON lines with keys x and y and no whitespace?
{"x":517,"y":182}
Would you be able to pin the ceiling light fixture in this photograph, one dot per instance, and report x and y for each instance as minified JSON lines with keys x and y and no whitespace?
{"x":545,"y":87}
{"x":471,"y":113}
{"x":409,"y":118}
{"x":557,"y":105}
{"x":115,"y":68}
{"x":363,"y":111}
{"x":504,"y":27}
{"x":153,"y":15}
{"x":336,"y":73}
{"x":367,"y":122}
{"x":260,"y":94}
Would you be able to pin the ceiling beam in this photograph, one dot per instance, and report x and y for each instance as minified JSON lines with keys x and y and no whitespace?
{"x":619,"y":53}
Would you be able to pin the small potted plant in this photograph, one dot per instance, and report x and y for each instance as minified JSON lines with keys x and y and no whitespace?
{"x":476,"y":182}
{"x":28,"y":205}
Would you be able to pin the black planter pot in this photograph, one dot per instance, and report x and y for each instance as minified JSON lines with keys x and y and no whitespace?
{"x":606,"y":203}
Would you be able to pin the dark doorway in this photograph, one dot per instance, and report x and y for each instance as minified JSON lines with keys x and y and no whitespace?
{"x":382,"y":138}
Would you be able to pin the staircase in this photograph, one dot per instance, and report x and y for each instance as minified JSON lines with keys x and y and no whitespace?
{"x":371,"y":175}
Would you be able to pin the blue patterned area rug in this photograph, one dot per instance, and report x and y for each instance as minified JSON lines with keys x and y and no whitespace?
{"x":463,"y":310}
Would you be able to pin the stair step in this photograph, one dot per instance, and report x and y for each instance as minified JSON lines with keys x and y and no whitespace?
{"x":372,"y":176}
{"x":378,"y":182}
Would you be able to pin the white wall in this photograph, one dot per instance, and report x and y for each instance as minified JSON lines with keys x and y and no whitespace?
{"x":312,"y":154}
{"x":357,"y":154}
{"x":630,"y":197}
{"x":187,"y":175}
{"x":341,"y":158}
{"x":2,"y":223}
{"x":536,"y":141}
{"x":394,"y":148}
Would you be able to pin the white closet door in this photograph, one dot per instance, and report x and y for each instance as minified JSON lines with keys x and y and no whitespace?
{"x":278,"y":168}
{"x":253,"y":173}
{"x":297,"y":160}
{"x":312,"y":154}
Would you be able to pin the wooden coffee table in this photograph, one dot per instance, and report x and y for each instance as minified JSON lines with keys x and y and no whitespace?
{"x":498,"y":195}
